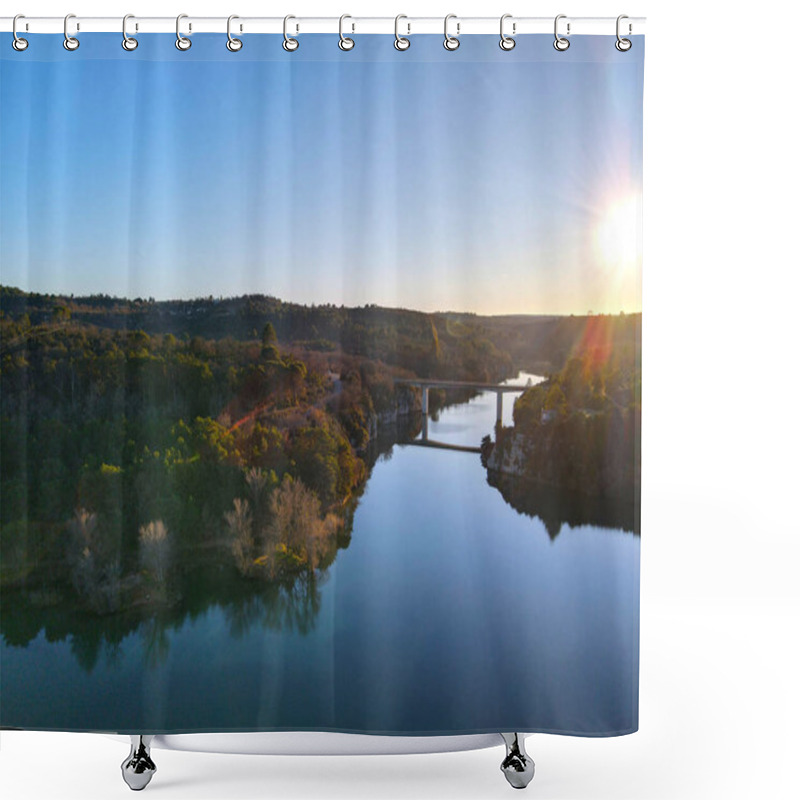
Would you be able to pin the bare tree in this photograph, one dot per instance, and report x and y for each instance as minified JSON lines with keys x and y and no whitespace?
{"x":296,"y":520}
{"x":289,"y":535}
{"x":240,"y":529}
{"x":258,"y":484}
{"x":81,"y":556}
{"x":94,"y":560}
{"x":155,"y":550}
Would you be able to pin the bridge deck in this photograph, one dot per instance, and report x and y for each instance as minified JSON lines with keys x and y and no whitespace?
{"x":463,"y":448}
{"x":494,"y":387}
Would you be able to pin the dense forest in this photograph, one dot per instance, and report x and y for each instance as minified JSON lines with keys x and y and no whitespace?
{"x":424,"y":343}
{"x":142,"y":440}
{"x":543,"y":345}
{"x":137,"y":444}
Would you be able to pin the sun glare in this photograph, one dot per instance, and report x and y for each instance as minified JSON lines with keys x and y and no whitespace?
{"x":617,"y":236}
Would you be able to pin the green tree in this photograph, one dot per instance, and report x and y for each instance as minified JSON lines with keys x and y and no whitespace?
{"x":268,"y":335}
{"x":556,"y":400}
{"x":315,"y":452}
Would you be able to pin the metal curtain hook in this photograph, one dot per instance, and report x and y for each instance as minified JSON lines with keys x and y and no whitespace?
{"x":623,"y":45}
{"x":560,"y":43}
{"x":506,"y":42}
{"x":401,"y":42}
{"x":181,"y":42}
{"x":18,"y":43}
{"x":290,"y":44}
{"x":128,"y":42}
{"x":233,"y":44}
{"x":450,"y":42}
{"x":70,"y":42}
{"x":345,"y":43}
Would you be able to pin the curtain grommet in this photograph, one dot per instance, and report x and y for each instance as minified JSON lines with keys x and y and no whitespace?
{"x":561,"y":43}
{"x":182,"y":42}
{"x":451,"y":43}
{"x":70,"y":42}
{"x":17,"y":42}
{"x":622,"y":44}
{"x":128,"y":42}
{"x":507,"y":42}
{"x":401,"y":43}
{"x":345,"y":42}
{"x":233,"y":44}
{"x":290,"y":44}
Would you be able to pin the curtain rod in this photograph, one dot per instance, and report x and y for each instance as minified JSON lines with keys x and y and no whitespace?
{"x":407,"y":25}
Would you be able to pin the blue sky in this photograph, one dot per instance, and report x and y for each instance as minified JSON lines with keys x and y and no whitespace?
{"x":477,"y":180}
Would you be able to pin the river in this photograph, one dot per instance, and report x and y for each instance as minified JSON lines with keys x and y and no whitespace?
{"x":449,"y":612}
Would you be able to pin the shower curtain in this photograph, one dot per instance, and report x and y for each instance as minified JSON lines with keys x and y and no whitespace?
{"x":321,"y":381}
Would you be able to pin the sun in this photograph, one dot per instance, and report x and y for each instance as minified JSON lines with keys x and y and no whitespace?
{"x":617,"y":236}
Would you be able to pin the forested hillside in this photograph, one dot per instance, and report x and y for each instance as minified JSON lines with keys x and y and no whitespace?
{"x":141,"y":437}
{"x":579,"y":430}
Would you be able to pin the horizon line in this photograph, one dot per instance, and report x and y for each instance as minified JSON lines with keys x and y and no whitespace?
{"x":230,"y":298}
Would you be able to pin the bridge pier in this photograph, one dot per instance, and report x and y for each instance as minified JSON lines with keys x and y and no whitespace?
{"x":424,"y":384}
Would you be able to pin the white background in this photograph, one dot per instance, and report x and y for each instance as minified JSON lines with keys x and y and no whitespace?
{"x":720,"y":600}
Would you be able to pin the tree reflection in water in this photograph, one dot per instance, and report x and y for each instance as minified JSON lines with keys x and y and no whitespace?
{"x":557,"y":507}
{"x":290,"y":604}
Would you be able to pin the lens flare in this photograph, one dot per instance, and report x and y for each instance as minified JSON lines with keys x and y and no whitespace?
{"x":617,"y":237}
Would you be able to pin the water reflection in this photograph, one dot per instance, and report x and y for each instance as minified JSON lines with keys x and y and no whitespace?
{"x":391,"y":633}
{"x":290,"y":604}
{"x":557,"y":507}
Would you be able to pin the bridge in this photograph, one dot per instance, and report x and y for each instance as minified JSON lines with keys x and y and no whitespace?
{"x":498,"y":388}
{"x":426,"y":442}
{"x":425,"y":384}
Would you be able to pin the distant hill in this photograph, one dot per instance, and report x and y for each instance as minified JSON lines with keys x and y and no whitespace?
{"x":534,"y":342}
{"x":545,"y":343}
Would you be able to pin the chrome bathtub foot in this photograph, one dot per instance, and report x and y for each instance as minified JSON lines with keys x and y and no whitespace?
{"x":138,"y":768}
{"x":517,"y":766}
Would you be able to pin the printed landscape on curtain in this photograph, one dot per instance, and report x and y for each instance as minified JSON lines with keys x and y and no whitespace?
{"x":321,"y":385}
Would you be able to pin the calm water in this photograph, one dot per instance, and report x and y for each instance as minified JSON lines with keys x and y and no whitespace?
{"x":449,"y":612}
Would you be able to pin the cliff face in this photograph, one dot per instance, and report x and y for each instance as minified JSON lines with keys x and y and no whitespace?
{"x":513,"y":457}
{"x":593,"y":455}
{"x":407,"y":402}
{"x":521,"y":456}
